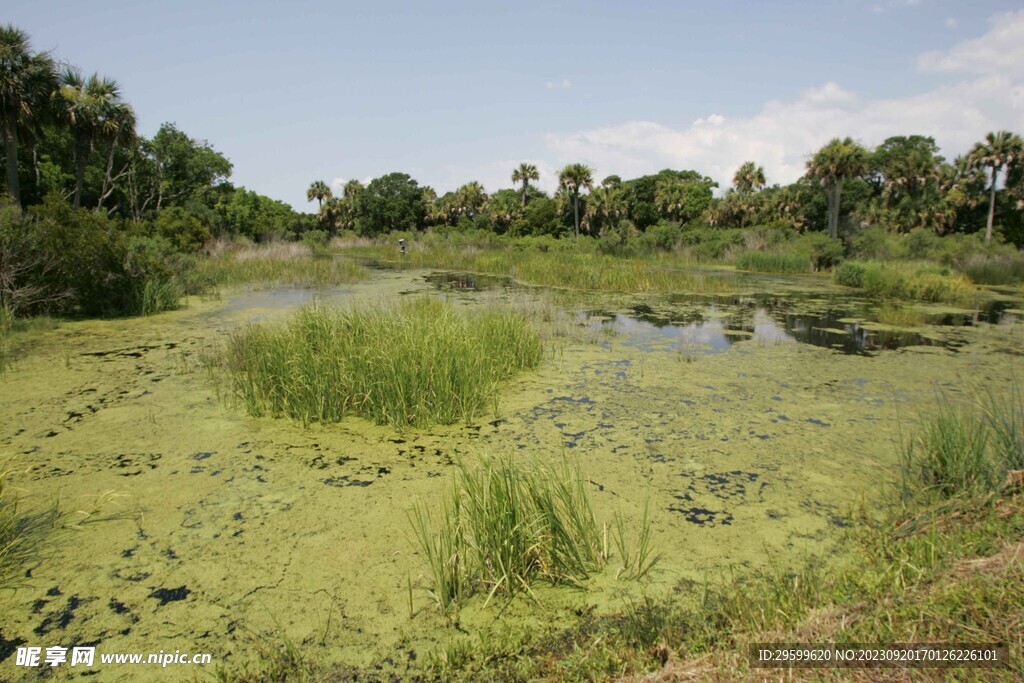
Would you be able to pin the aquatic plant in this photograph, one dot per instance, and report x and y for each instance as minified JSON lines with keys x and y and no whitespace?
{"x":506,"y":523}
{"x":774,"y":262}
{"x":638,"y":563}
{"x":22,"y":533}
{"x":417,"y":362}
{"x":900,"y":316}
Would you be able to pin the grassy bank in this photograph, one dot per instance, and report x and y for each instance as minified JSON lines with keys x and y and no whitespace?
{"x":414,"y":363}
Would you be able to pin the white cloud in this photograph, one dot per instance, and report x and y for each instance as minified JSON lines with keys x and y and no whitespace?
{"x":952,"y":22}
{"x":986,"y":93}
{"x":998,"y":52}
{"x":563,"y":84}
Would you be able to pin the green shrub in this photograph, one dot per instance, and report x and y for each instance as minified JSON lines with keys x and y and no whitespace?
{"x":824,"y":251}
{"x":849,"y":274}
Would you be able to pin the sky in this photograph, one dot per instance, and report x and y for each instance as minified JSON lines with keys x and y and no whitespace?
{"x":456,"y":91}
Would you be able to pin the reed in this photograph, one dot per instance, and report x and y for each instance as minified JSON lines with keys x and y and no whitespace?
{"x":507,"y":523}
{"x":274,"y":263}
{"x":966,"y":448}
{"x":414,"y":363}
{"x":774,"y":262}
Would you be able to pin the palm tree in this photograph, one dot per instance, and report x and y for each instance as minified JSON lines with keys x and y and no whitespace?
{"x":470,"y":199}
{"x":319,"y":191}
{"x":670,"y":196}
{"x":572,"y":179}
{"x":351,"y":189}
{"x":831,"y":165}
{"x":999,"y":150}
{"x":749,"y":178}
{"x":94,"y":110}
{"x":524,"y":174}
{"x":26,"y":82}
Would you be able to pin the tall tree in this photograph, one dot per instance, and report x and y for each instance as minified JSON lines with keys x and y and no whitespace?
{"x":749,"y":178}
{"x":318,"y":191}
{"x":470,"y":199}
{"x":93,"y":109}
{"x":572,"y":179}
{"x":834,"y":163}
{"x":524,"y":174}
{"x":26,"y":81}
{"x":1002,"y":149}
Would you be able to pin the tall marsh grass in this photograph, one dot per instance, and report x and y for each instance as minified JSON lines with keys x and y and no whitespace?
{"x":507,"y":523}
{"x":274,"y":263}
{"x":966,"y":448}
{"x":774,"y":262}
{"x":417,"y":362}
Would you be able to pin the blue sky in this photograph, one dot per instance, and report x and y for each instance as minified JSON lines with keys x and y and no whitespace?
{"x":457,"y":91}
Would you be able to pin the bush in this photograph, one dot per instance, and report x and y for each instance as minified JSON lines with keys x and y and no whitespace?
{"x":316,"y":240}
{"x":849,"y":274}
{"x":824,"y":251}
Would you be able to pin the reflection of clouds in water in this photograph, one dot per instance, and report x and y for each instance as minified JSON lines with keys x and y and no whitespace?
{"x":767,"y":330}
{"x":715,"y":334}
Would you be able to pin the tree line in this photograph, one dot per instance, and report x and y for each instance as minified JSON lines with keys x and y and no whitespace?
{"x":902,"y":185}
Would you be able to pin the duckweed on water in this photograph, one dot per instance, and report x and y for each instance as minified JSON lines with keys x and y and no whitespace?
{"x":415,"y":363}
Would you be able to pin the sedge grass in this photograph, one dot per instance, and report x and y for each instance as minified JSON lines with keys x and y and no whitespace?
{"x":774,"y":262}
{"x":507,"y":523}
{"x":22,"y":533}
{"x":414,"y":363}
{"x":966,"y":449}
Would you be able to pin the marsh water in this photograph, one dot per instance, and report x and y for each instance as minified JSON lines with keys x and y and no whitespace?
{"x":753,"y":423}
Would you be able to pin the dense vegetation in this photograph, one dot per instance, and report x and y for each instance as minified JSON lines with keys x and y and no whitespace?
{"x":411,"y":364}
{"x":101,"y":220}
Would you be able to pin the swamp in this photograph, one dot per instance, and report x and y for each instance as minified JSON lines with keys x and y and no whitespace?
{"x":743,"y":431}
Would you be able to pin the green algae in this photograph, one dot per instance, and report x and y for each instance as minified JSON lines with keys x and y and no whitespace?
{"x":255,"y":530}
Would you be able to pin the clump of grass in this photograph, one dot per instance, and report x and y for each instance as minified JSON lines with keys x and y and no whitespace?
{"x":900,"y":316}
{"x":966,"y":449}
{"x":417,"y":362}
{"x":22,"y":534}
{"x":638,"y":563}
{"x":507,"y":523}
{"x":911,"y":280}
{"x":1003,"y":269}
{"x":774,"y":262}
